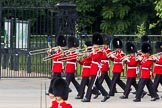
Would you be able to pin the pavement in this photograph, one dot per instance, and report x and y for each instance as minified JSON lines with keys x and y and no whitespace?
{"x":30,"y":93}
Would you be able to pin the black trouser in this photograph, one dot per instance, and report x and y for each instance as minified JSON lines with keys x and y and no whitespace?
{"x":84,"y":82}
{"x":141,"y":84}
{"x":70,"y":77}
{"x":94,"y":80}
{"x":130,"y":81}
{"x":54,"y":76}
{"x":157,"y":80}
{"x":116,"y":79}
{"x":104,"y":76}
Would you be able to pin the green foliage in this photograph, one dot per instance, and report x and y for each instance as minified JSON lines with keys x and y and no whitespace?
{"x":141,"y":30}
{"x":158,"y":8}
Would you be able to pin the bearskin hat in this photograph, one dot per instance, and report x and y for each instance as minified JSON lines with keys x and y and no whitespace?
{"x":72,"y":42}
{"x":61,"y":41}
{"x":88,"y":43}
{"x":158,"y":46}
{"x":97,"y":39}
{"x":60,"y":88}
{"x":130,"y":48}
{"x":117,"y":43}
{"x":145,"y":39}
{"x":146,"y":48}
{"x":105,"y":39}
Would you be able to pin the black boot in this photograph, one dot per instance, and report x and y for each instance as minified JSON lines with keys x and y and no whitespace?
{"x":85,"y":100}
{"x":143,"y":94}
{"x":123,"y":97}
{"x":96,"y":96}
{"x":137,"y":100}
{"x":155,"y":98}
{"x":79,"y":97}
{"x":105,"y":98}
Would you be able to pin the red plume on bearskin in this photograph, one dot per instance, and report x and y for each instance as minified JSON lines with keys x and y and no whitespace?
{"x":61,"y":41}
{"x":146,"y":48}
{"x":61,"y":88}
{"x":117,"y":43}
{"x":97,"y":39}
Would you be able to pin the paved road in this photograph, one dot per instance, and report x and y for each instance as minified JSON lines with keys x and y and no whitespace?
{"x":27,"y":93}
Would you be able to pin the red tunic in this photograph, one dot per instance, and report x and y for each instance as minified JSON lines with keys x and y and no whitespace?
{"x":158,"y":66}
{"x":57,"y":65}
{"x":131,"y":67}
{"x":145,"y":67}
{"x":86,"y":62}
{"x":71,"y":63}
{"x":95,"y":65}
{"x":105,"y":60}
{"x":55,"y":104}
{"x":118,"y":64}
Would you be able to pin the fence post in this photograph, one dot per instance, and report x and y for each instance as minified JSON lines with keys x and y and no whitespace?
{"x":28,"y":48}
{"x":11,"y":46}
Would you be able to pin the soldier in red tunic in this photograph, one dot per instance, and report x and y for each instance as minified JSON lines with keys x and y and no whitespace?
{"x":105,"y":62}
{"x":71,"y":59}
{"x":86,"y":62}
{"x":158,"y":65}
{"x":118,"y":66}
{"x":60,"y":91}
{"x":95,"y":69}
{"x":131,"y":73}
{"x":57,"y":67}
{"x":145,"y":69}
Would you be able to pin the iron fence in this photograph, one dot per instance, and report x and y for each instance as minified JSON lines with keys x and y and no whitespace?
{"x":24,"y":27}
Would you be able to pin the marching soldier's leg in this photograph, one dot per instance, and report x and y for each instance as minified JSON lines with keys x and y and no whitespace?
{"x":161,"y":79}
{"x":103,"y":91}
{"x":113,"y":85}
{"x":76,"y":84}
{"x":68,"y":79}
{"x":101,"y":78}
{"x":134,"y":83}
{"x":108,"y":80}
{"x":127,"y":88}
{"x":141,"y":84}
{"x":121,"y":83}
{"x":156,"y":82}
{"x":89,"y":90}
{"x":152,"y":91}
{"x":82,"y":88}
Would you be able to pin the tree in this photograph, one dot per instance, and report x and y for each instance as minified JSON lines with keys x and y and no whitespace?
{"x":123,"y":16}
{"x":158,"y":8}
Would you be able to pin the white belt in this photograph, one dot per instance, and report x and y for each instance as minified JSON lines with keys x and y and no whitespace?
{"x":86,"y":66}
{"x":58,"y":62}
{"x":131,"y":67}
{"x":72,"y":63}
{"x":104,"y":61}
{"x":97,"y":64}
{"x":118,"y":62}
{"x":145,"y":68}
{"x":158,"y":65}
